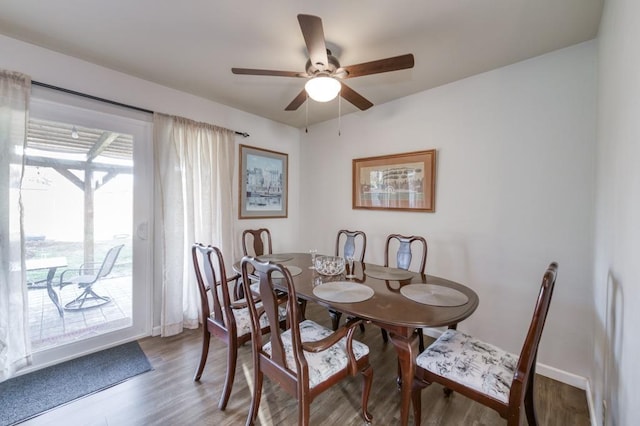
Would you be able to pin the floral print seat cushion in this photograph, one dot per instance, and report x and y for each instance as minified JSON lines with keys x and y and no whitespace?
{"x":322,"y":365}
{"x":471,"y":362}
{"x":243,"y":320}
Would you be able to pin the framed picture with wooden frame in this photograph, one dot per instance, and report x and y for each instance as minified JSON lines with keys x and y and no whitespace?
{"x":263,"y":183}
{"x":403,"y":182}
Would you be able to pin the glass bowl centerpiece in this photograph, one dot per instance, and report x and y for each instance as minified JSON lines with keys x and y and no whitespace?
{"x":329,"y":265}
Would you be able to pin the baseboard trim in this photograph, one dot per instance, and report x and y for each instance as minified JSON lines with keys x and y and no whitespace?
{"x":590,"y":404}
{"x":562,"y":376}
{"x":155,"y":331}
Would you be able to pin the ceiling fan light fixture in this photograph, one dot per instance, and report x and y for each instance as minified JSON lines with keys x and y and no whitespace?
{"x":322,"y":88}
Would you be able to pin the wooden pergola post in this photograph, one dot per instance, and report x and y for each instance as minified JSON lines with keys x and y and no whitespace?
{"x":87,"y":185}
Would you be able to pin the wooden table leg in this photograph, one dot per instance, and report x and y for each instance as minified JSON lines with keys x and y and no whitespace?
{"x":406,"y":347}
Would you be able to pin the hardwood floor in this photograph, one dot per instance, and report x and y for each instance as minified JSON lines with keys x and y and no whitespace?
{"x":169,"y":396}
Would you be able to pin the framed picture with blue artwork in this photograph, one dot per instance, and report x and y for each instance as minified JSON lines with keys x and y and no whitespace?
{"x":263,"y":183}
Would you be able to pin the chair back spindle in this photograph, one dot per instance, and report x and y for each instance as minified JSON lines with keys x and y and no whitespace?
{"x":355,"y":244}
{"x":404,"y":254}
{"x":211,"y":276}
{"x":256,"y":242}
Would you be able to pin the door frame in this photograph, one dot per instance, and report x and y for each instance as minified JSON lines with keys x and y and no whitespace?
{"x":54,"y":105}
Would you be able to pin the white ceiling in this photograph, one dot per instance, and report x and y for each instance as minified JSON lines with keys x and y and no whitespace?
{"x":191,"y":45}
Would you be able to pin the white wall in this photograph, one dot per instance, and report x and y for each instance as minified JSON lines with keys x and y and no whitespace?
{"x":516,"y":152}
{"x":515,"y":191}
{"x":63,"y":71}
{"x":615,"y":373}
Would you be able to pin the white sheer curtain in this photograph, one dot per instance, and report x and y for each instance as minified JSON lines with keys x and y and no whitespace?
{"x":194,"y":174}
{"x":15,"y":343}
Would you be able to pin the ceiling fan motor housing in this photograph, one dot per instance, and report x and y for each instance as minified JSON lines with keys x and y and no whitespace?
{"x":329,"y":69}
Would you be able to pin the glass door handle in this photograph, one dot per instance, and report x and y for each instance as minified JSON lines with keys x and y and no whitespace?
{"x":142,"y":231}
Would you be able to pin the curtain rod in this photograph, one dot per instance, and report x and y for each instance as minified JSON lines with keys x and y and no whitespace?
{"x":96,"y":98}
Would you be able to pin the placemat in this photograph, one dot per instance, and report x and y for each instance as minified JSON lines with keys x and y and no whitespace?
{"x":343,"y":292}
{"x":435,"y":295}
{"x":390,"y":274}
{"x":293,"y":270}
{"x":277,"y":258}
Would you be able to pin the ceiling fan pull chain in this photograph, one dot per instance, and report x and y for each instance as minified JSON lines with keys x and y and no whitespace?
{"x":306,"y":109}
{"x":339,"y":114}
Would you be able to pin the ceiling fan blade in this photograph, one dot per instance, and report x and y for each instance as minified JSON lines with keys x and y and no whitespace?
{"x":250,"y":71}
{"x":354,"y":97}
{"x":297,"y":101}
{"x":382,"y":65}
{"x":313,"y":34}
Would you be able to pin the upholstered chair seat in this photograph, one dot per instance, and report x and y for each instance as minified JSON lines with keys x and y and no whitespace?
{"x":324,"y":364}
{"x":243,"y":319}
{"x":472,"y":363}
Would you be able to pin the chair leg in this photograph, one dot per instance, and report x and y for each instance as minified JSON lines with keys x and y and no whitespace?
{"x":304,"y":410}
{"x":416,"y":399}
{"x":529,"y":405}
{"x":335,"y":318}
{"x":447,"y":392}
{"x":367,"y":374}
{"x":303,"y":309}
{"x":95,"y":295}
{"x":420,"y":340}
{"x":206,"y":338}
{"x":88,"y":294}
{"x":255,"y":397}
{"x":232,"y":357}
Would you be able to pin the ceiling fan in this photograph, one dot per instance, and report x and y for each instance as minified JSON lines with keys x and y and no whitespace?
{"x":323,"y":71}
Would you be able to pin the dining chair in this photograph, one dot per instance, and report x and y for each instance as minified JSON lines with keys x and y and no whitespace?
{"x":403,"y":260}
{"x":348,"y":244}
{"x":483,"y":372}
{"x":226,"y":319}
{"x":307,"y":359}
{"x":256,"y":242}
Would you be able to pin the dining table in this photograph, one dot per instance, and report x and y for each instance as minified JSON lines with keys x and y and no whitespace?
{"x":396,"y":300}
{"x":51,"y":265}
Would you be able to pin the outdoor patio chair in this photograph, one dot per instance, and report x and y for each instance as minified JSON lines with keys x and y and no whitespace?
{"x":85,"y":277}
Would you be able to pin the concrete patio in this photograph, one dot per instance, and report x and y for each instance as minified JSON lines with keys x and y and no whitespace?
{"x":48,"y":329}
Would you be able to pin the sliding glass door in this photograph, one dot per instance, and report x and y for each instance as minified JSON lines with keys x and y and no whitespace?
{"x":87,"y":206}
